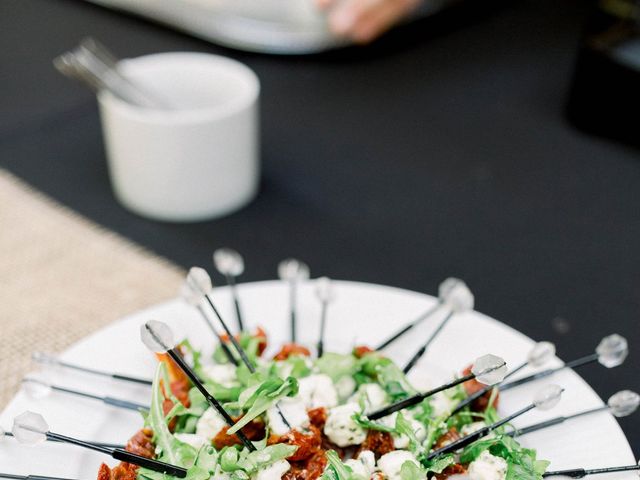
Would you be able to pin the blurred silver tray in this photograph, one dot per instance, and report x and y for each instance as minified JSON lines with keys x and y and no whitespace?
{"x":267,"y":26}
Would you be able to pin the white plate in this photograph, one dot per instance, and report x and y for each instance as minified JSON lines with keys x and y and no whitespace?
{"x":362,"y":314}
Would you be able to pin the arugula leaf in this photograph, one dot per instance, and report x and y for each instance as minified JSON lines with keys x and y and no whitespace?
{"x":336,"y":470}
{"x":364,"y":422}
{"x":336,"y":365}
{"x":232,"y":460}
{"x":410,"y":471}
{"x":522,"y":462}
{"x":387,"y":374}
{"x":259,"y":398}
{"x":404,"y":427}
{"x":439,"y":464}
{"x":162,"y":437}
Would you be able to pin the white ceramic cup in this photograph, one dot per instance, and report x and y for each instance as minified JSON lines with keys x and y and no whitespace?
{"x":196,"y":161}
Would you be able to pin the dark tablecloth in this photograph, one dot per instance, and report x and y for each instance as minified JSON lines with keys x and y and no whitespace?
{"x":442,"y":150}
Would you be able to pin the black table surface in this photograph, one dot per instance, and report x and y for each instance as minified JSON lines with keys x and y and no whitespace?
{"x":442,"y":150}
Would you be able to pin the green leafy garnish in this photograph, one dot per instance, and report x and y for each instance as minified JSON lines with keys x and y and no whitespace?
{"x":261,"y":397}
{"x":336,"y":470}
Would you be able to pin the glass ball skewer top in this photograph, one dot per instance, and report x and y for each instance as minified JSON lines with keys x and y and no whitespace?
{"x":457,"y":296}
{"x":199,"y":281}
{"x":157,"y":336}
{"x":548,"y":397}
{"x":489,"y":369}
{"x":293,"y":270}
{"x":324,"y":290}
{"x":36,"y":389}
{"x":446,"y":286}
{"x":623,"y":403}
{"x":541,"y":354}
{"x":30,"y":428}
{"x":44,"y":358}
{"x":612,"y":350}
{"x":228,"y":262}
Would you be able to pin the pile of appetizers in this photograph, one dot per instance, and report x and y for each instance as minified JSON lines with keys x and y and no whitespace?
{"x":310,"y":413}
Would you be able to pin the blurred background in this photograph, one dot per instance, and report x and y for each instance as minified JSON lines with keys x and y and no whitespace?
{"x":495,"y":141}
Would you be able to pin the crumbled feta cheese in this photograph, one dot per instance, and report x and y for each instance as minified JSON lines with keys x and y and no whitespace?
{"x":364,"y":465}
{"x":318,"y":391}
{"x":487,"y":467}
{"x":358,"y":468}
{"x":274,"y":471}
{"x":471,"y":428}
{"x":340,"y":427}
{"x":222,"y":373}
{"x":368,"y":458}
{"x":293,"y":409}
{"x":442,"y":404}
{"x":196,"y":441}
{"x":371,"y":395}
{"x":391,"y":463}
{"x":402,"y":441}
{"x":345,"y":387}
{"x":210,"y":424}
{"x":218,"y":474}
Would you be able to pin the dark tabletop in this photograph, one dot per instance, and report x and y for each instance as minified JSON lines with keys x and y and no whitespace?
{"x":442,"y":150}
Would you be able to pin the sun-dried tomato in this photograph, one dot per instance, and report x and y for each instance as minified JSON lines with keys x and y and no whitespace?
{"x":310,"y":469}
{"x":380,"y":443}
{"x":472,"y":386}
{"x":361,"y":350}
{"x":308,"y":442}
{"x":455,"y":469}
{"x":260,"y":334}
{"x":318,"y":417}
{"x":451,"y":436}
{"x":123,"y":471}
{"x":254,"y":430}
{"x":289,"y":349}
{"x":142,"y":443}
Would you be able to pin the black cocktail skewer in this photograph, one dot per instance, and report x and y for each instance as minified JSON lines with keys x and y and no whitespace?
{"x":31,"y":428}
{"x":545,"y":399}
{"x":45,"y":387}
{"x":158,"y":338}
{"x":46,"y":359}
{"x":486,"y":369}
{"x":231,"y":265}
{"x":620,"y":404}
{"x":293,"y":271}
{"x":29,"y":477}
{"x":610,"y":352}
{"x":537,"y":357}
{"x":459,"y":299}
{"x":325,"y":294}
{"x":199,"y":282}
{"x":583,"y":472}
{"x":99,"y":444}
{"x":195,"y":299}
{"x":443,"y":293}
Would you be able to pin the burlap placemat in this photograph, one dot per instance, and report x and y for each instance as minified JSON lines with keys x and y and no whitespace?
{"x":62,"y":277}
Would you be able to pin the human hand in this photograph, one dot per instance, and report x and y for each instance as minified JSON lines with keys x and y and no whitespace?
{"x":364,"y":20}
